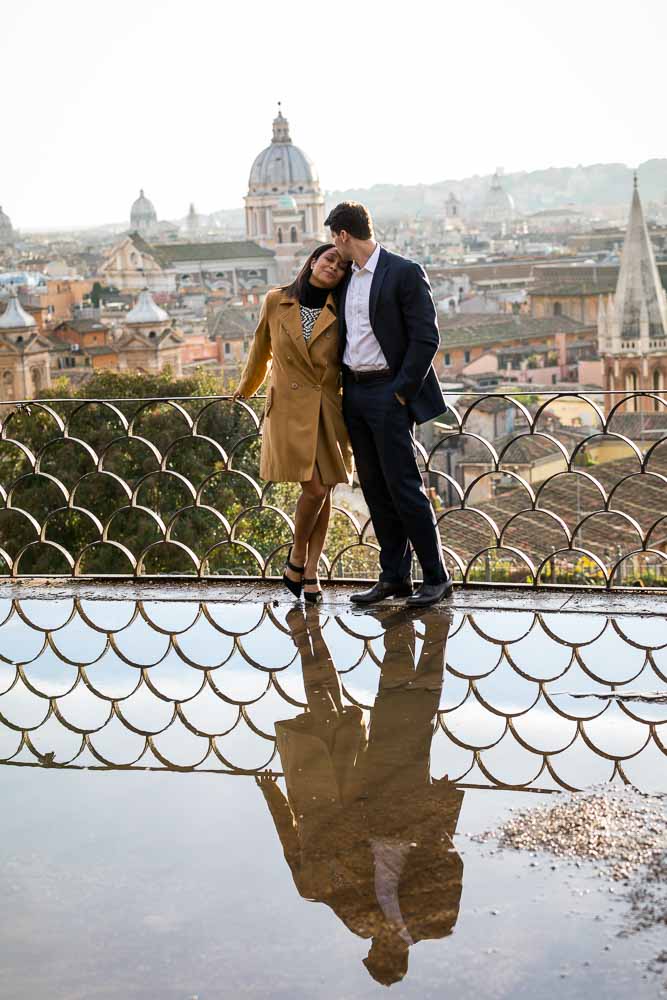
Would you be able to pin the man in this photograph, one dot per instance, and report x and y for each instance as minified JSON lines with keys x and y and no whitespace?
{"x":389,"y":332}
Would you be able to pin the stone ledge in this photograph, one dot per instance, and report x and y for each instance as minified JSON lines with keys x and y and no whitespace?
{"x":481,"y":597}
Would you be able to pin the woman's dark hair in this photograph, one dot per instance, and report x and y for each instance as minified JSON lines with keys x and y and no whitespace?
{"x":353,"y":217}
{"x":295,"y":290}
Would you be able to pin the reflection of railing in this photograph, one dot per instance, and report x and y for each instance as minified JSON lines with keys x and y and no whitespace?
{"x":171,"y":486}
{"x":528,"y":700}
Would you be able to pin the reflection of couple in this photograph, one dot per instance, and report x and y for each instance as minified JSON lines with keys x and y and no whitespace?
{"x":364,"y":828}
{"x":360,"y":318}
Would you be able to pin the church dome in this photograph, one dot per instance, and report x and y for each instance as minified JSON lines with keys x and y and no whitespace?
{"x":498,"y":205}
{"x":146,"y":311}
{"x":142,"y":213}
{"x":15,"y":317}
{"x":6,"y":231}
{"x":282,"y":164}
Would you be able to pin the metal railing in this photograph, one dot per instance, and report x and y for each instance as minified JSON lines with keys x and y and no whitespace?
{"x":533,"y":488}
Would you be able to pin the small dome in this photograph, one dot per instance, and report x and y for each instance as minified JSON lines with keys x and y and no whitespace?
{"x":15,"y":317}
{"x":142,"y":213}
{"x":146,"y":311}
{"x":282,"y":164}
{"x":287,"y":203}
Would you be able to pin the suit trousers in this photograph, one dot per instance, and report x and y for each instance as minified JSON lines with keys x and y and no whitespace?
{"x":382,"y":435}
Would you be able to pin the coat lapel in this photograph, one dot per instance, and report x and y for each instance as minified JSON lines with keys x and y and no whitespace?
{"x":324,"y":320}
{"x":290,"y":317}
{"x":376,"y":284}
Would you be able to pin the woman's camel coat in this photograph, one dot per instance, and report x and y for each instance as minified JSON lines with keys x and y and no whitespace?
{"x":304,"y":405}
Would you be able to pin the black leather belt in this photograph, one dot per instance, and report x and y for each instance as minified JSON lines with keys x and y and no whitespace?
{"x":377,"y":376}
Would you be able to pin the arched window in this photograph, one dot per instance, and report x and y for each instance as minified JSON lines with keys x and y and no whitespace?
{"x":36,"y":379}
{"x":558,"y":308}
{"x":658,"y":386}
{"x":292,"y":235}
{"x":152,"y":334}
{"x":7,"y":385}
{"x":632,"y":385}
{"x":280,"y":235}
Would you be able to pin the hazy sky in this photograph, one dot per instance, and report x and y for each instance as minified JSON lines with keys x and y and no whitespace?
{"x":100,"y":99}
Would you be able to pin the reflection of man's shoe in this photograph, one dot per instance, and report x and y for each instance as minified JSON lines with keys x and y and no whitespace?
{"x":381,"y":591}
{"x":430,"y":593}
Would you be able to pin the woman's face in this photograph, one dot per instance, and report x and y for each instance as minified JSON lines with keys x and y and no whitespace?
{"x":328,"y":270}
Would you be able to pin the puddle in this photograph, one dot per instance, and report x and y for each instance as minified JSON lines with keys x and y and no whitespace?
{"x":209,"y":800}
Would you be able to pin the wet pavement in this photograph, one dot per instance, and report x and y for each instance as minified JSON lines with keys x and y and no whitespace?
{"x":213,"y":793}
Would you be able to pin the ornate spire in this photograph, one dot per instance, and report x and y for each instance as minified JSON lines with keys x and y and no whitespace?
{"x":641,"y":304}
{"x":280,"y":127}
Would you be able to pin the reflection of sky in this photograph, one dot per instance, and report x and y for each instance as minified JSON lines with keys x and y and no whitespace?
{"x":173,"y":885}
{"x":233,"y":670}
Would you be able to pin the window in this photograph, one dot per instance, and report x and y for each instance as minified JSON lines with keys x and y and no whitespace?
{"x":466,"y":356}
{"x":152,"y":334}
{"x":448,"y":360}
{"x":280,"y":235}
{"x":228,"y":348}
{"x":558,"y":308}
{"x":658,"y":386}
{"x":631,"y":385}
{"x":7,"y":385}
{"x":292,"y":235}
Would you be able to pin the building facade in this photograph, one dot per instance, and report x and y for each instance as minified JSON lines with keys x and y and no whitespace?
{"x":24,"y":353}
{"x":167,"y":268}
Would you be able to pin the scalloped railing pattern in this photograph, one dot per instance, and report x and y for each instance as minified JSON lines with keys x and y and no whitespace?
{"x":528,"y":700}
{"x":171,"y":486}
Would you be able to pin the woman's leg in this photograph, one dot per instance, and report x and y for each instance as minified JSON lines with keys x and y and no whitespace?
{"x":316,"y":543}
{"x":309,"y":506}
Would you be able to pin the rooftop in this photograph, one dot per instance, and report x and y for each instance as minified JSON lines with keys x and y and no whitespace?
{"x":464,"y":330}
{"x":175,"y":253}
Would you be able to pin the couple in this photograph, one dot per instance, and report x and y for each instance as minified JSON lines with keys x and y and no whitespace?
{"x":364,"y":318}
{"x":364,"y":827}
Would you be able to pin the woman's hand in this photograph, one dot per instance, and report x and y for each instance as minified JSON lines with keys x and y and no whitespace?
{"x":236,"y":395}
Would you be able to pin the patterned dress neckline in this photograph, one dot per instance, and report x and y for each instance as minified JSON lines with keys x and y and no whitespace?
{"x":309,"y":317}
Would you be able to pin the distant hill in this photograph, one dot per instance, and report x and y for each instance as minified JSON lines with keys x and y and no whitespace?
{"x":601,"y":188}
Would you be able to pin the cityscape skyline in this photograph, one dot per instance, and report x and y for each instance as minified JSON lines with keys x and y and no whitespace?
{"x":181,"y":106}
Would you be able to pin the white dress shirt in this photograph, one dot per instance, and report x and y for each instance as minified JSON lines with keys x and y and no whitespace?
{"x":362,"y":350}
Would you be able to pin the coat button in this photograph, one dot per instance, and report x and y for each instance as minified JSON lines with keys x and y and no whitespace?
{"x":295,"y":385}
{"x":289,"y":358}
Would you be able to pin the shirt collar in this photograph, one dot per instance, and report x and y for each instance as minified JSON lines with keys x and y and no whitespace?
{"x":372,"y":261}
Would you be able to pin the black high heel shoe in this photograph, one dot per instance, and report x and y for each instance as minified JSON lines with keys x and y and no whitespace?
{"x":292,"y":585}
{"x":315,"y":596}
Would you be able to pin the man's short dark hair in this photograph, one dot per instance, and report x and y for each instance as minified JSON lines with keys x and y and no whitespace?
{"x":353,"y":217}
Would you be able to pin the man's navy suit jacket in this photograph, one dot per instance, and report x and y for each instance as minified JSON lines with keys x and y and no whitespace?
{"x":404,"y":320}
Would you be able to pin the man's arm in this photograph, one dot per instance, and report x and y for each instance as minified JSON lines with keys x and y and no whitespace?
{"x":421,"y":324}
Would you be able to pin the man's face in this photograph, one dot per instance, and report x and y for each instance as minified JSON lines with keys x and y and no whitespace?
{"x":341,"y":241}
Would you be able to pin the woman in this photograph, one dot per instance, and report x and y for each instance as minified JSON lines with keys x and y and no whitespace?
{"x":304,"y":438}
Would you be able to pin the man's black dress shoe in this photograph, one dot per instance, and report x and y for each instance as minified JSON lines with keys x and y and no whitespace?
{"x":381,"y":591}
{"x":430,"y":593}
